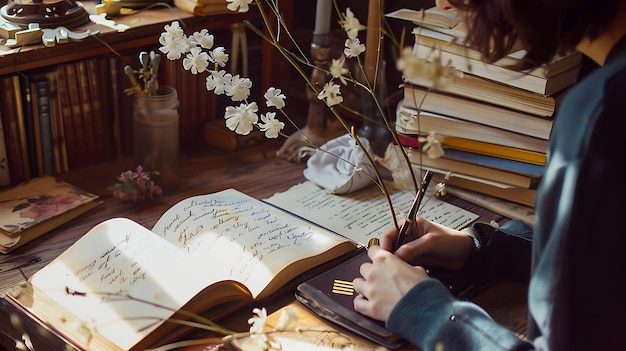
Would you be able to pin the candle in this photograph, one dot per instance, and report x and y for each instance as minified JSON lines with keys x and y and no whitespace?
{"x":322,"y":22}
{"x":373,"y":43}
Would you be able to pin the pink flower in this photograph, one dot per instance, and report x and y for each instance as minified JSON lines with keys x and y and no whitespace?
{"x":46,"y":206}
{"x":135,"y":186}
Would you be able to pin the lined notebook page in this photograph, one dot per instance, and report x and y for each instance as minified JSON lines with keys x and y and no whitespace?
{"x":364,"y":214}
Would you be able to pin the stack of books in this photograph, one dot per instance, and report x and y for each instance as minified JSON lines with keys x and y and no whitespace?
{"x":495,"y":122}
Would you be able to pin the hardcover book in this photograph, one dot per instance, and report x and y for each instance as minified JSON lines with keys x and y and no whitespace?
{"x":37,"y":206}
{"x":445,"y":21}
{"x":459,"y":128}
{"x":444,"y":42}
{"x":521,"y":80}
{"x":488,"y":168}
{"x":478,"y":112}
{"x":492,"y":92}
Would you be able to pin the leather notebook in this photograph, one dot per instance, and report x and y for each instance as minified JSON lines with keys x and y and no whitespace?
{"x":330,"y":295}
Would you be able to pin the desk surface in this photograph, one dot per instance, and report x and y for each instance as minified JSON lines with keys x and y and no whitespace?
{"x":255,"y":171}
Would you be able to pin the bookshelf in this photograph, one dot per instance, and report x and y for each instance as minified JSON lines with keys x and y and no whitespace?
{"x":99,"y":60}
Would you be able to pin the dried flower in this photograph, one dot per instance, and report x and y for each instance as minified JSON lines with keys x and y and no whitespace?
{"x":136,"y":186}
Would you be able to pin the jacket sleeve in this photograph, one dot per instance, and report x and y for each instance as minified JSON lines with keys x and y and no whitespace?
{"x":430,"y":318}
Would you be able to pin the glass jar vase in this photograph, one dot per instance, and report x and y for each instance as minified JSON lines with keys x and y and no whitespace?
{"x":155,"y":135}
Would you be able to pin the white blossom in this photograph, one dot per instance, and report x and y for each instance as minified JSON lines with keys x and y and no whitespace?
{"x":331,"y":93}
{"x":239,"y":5}
{"x":271,"y":126}
{"x":353,"y":47}
{"x":174,"y":47}
{"x":407,"y":116}
{"x":351,"y":24}
{"x":203,"y":39}
{"x":172,"y":31}
{"x":337,"y":69}
{"x":218,"y":81}
{"x":219,"y":56}
{"x":432,"y":145}
{"x":241,"y":119}
{"x":257,"y":321}
{"x":239,"y":89}
{"x":274,"y":97}
{"x":173,"y":41}
{"x":196,"y":61}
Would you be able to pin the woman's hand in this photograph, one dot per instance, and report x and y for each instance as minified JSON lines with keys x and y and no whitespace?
{"x":385,"y":281}
{"x":435,"y":245}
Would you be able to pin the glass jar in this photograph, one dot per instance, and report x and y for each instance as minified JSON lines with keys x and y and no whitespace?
{"x":155,"y":135}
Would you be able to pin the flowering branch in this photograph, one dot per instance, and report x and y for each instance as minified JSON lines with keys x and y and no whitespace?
{"x":199,"y":55}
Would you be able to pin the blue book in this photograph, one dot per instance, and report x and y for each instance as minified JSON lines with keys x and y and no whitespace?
{"x":41,"y":104}
{"x":529,"y":169}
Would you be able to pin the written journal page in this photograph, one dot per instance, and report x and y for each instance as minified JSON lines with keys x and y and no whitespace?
{"x":208,"y":238}
{"x":365,"y":214}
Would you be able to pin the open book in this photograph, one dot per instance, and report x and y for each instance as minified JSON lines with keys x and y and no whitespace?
{"x":117,"y":286}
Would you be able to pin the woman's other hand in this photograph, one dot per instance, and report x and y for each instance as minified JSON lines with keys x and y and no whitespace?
{"x":431,"y":244}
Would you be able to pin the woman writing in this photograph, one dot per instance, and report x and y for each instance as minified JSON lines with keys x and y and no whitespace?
{"x":576,"y":290}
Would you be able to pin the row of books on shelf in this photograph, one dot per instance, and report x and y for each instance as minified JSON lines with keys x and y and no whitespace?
{"x":495,"y":121}
{"x":75,"y":114}
{"x":57,"y":119}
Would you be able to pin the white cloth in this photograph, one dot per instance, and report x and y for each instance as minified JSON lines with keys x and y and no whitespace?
{"x":341,"y":166}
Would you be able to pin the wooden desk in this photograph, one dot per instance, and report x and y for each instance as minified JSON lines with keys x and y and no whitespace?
{"x":255,"y":171}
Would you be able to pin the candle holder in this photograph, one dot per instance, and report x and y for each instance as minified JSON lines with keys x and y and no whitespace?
{"x":319,"y":126}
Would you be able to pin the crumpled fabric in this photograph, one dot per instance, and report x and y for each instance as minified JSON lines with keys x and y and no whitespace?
{"x":342,"y":167}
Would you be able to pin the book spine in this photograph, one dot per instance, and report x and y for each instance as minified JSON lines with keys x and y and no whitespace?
{"x":114,"y":91}
{"x":475,"y":111}
{"x":11,"y":131}
{"x":78,"y":151}
{"x":538,"y":158}
{"x":520,"y":80}
{"x":5,"y":178}
{"x":34,"y":101}
{"x":28,"y":120}
{"x":484,"y":90}
{"x":87,"y":114}
{"x":45,"y":124}
{"x":65,"y":103}
{"x":445,"y":165}
{"x":453,"y":127}
{"x":59,"y":146}
{"x":98,"y":72}
{"x":21,"y":127}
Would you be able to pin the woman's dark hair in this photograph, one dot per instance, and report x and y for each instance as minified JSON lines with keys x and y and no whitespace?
{"x":543,"y":27}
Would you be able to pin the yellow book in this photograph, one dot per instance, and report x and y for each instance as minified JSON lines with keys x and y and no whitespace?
{"x":511,"y":153}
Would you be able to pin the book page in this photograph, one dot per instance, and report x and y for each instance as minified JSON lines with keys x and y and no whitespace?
{"x":364,"y":214}
{"x":115,"y":258}
{"x":202,"y":240}
{"x":241,"y":238}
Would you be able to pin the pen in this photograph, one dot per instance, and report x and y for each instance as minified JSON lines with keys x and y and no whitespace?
{"x":406,"y":226}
